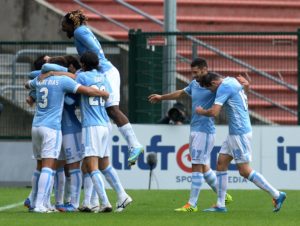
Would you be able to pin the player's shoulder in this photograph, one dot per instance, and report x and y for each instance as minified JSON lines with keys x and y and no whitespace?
{"x":81,"y":30}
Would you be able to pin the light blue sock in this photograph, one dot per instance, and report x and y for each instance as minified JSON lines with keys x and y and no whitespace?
{"x":34,"y":184}
{"x":263,"y":184}
{"x":211,"y":179}
{"x":59,"y":185}
{"x":99,"y":187}
{"x":197,"y":181}
{"x":222,"y":182}
{"x":87,"y":189}
{"x":43,"y":186}
{"x":113,"y":179}
{"x":76,"y":181}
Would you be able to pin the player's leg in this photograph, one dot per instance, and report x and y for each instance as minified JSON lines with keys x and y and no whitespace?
{"x":73,"y":155}
{"x":59,"y":183}
{"x":111,"y":175}
{"x":201,"y":145}
{"x":87,"y":189}
{"x":76,"y":182}
{"x":67,"y":192}
{"x":30,"y":201}
{"x":112,"y":178}
{"x":210,"y":178}
{"x":92,"y":163}
{"x":223,"y":162}
{"x":92,"y":138}
{"x":260,"y":181}
{"x":44,"y":184}
{"x":51,"y":143}
{"x":222,"y":182}
{"x":125,"y":128}
{"x":242,"y":145}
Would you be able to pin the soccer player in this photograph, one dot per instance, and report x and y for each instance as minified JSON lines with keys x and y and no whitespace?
{"x":74,"y":24}
{"x":30,"y":99}
{"x":202,"y":133}
{"x":71,"y":154}
{"x":237,"y":146}
{"x":46,"y":127}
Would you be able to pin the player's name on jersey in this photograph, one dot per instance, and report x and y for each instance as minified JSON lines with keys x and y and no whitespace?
{"x":49,"y":82}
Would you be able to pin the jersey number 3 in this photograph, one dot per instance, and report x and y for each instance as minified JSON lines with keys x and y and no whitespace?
{"x":44,"y":101}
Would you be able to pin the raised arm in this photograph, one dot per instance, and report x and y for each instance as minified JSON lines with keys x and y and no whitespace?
{"x":154,"y":98}
{"x":244,"y":82}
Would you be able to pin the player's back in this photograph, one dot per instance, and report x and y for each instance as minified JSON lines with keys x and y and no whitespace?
{"x":204,"y":98}
{"x":236,"y":106}
{"x":93,"y":108}
{"x":85,"y":40}
{"x":50,"y":98}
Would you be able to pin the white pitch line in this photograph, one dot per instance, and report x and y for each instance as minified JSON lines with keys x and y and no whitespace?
{"x":11,"y":206}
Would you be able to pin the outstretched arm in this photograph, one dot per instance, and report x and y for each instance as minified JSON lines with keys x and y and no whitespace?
{"x":214,"y":111}
{"x":154,"y":98}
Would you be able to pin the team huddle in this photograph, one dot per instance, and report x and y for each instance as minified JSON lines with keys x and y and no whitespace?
{"x":66,"y":148}
{"x":71,"y":153}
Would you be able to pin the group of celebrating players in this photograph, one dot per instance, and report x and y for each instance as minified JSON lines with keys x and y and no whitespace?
{"x":55,"y":125}
{"x":61,"y":141}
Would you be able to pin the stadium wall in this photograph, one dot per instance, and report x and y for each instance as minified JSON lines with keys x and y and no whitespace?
{"x":29,"y":20}
{"x":275,"y":151}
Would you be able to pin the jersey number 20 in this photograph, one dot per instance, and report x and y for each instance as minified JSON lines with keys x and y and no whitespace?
{"x":96,"y":101}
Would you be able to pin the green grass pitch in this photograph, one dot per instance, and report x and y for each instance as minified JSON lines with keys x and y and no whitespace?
{"x":156,"y":207}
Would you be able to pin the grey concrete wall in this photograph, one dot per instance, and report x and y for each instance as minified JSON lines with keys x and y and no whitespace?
{"x":28,"y":20}
{"x":36,"y":20}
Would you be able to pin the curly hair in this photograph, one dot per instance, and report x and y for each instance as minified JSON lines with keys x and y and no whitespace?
{"x":76,"y":18}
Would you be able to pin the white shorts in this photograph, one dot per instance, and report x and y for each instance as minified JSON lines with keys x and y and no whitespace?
{"x":113,"y":76}
{"x":71,"y":148}
{"x":46,"y":142}
{"x":201,"y":145}
{"x":95,"y":141}
{"x":239,"y":147}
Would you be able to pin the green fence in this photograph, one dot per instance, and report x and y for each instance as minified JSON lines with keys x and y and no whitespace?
{"x":267,"y":60}
{"x":16,"y":61}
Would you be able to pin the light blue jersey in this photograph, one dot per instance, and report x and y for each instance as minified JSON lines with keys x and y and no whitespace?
{"x":93,"y":108}
{"x":85,"y":40}
{"x":50,"y":99}
{"x":69,"y":122}
{"x":231,"y":94}
{"x":204,"y":98}
{"x":34,"y":74}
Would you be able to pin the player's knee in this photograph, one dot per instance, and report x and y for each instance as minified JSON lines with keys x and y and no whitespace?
{"x":244,"y":173}
{"x":113,"y":112}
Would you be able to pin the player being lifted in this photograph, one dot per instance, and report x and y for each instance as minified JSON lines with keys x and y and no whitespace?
{"x":202,"y":133}
{"x":237,"y":146}
{"x":74,"y":24}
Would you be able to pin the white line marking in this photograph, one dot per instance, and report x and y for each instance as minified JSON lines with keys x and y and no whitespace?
{"x":11,"y":206}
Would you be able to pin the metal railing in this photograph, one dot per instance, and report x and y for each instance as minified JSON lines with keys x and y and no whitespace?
{"x":262,"y":70}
